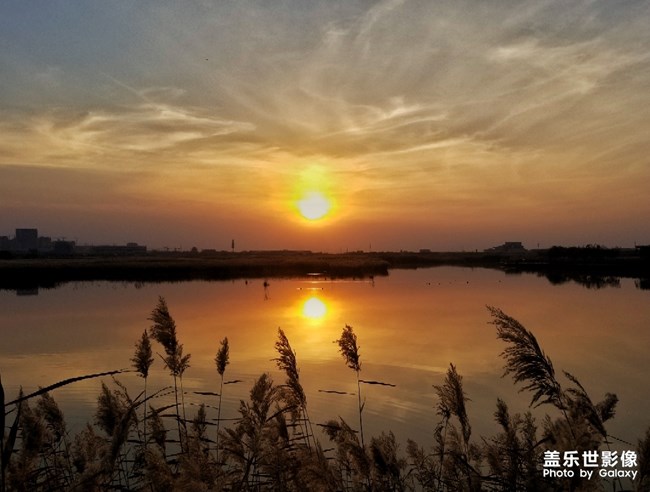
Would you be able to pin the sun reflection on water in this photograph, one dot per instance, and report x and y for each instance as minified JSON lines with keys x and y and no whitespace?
{"x":314,"y":308}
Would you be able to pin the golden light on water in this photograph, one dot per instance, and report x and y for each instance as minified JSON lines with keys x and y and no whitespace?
{"x":314,"y":308}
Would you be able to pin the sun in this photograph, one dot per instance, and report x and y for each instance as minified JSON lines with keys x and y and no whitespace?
{"x":313,"y":205}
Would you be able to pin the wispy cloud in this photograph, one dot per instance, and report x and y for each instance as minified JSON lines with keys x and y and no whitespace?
{"x":102,"y":136}
{"x":430,"y":104}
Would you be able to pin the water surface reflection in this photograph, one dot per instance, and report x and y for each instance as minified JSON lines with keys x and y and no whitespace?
{"x":410,"y":326}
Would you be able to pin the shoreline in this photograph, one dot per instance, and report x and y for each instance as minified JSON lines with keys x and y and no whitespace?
{"x":50,"y":272}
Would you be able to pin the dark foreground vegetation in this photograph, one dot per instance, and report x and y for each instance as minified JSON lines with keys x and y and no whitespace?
{"x":593,"y":266}
{"x":138,"y":443}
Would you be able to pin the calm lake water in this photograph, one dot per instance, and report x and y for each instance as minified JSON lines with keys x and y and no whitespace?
{"x":410,"y":326}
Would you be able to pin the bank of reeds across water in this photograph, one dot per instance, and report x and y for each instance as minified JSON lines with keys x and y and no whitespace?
{"x":48,"y":272}
{"x":138,"y":443}
{"x":51,"y":272}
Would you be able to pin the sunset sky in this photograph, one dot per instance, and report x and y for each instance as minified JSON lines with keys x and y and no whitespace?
{"x":445,"y":125}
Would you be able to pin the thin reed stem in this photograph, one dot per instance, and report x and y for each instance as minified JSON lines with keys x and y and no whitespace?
{"x":363,"y":445}
{"x":219,"y":417}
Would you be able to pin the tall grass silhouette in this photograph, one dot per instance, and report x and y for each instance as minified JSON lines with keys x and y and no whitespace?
{"x":459,"y":456}
{"x":163,"y":331}
{"x":294,"y":393}
{"x":142,"y":362}
{"x":222,"y":359}
{"x":350,"y":352}
{"x":526,"y":361}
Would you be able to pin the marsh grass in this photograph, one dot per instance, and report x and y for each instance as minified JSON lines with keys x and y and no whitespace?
{"x":163,"y":331}
{"x":271,"y":445}
{"x":526,"y":361}
{"x":457,"y":454}
{"x":294,"y":393}
{"x":222,"y":359}
{"x":350,"y":352}
{"x":142,"y":362}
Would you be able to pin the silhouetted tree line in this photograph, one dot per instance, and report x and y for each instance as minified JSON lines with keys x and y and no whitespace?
{"x":590,"y":252}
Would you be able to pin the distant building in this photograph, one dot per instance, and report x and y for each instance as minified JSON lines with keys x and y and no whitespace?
{"x":26,"y":240}
{"x":63,"y":248}
{"x":129,"y":249}
{"x":45,"y":244}
{"x":5,"y":243}
{"x":508,"y":247}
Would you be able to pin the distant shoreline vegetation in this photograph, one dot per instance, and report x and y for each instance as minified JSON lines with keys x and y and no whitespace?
{"x":592,"y":266}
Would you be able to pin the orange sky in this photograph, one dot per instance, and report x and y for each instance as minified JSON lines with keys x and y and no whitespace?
{"x":446,"y":125}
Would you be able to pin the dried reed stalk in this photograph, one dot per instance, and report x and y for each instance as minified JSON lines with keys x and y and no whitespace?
{"x":350,"y":352}
{"x":222,"y":359}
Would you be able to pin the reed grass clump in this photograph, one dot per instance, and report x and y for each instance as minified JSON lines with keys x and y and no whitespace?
{"x":582,"y":427}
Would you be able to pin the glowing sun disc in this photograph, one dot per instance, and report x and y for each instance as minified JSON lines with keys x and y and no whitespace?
{"x":313,"y":206}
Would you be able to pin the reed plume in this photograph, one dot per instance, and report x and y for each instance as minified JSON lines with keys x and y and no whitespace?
{"x":115,"y":415}
{"x":110,"y":409}
{"x":595,"y":414}
{"x":143,"y":358}
{"x":349,"y":349}
{"x":350,"y":352}
{"x":222,"y":359}
{"x":142,"y":362}
{"x":295,"y":393}
{"x":451,"y":401}
{"x":582,"y":408}
{"x":526,"y":361}
{"x":247,"y":444}
{"x":163,"y":331}
{"x":287,"y":362}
